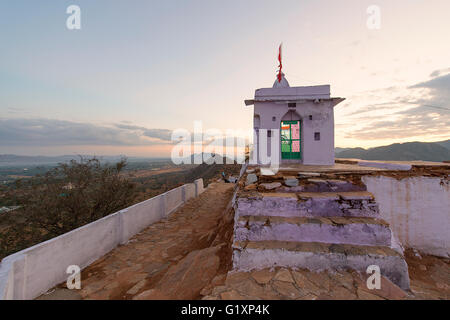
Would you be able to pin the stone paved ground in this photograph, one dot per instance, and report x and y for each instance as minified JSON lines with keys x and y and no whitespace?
{"x":285,"y":284}
{"x":430,"y":279}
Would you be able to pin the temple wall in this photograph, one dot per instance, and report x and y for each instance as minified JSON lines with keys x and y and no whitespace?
{"x":313,"y":152}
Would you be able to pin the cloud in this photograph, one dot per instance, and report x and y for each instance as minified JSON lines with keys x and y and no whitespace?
{"x":440,"y":83}
{"x":439,"y":72}
{"x":372,"y":107}
{"x":50,"y":132}
{"x":19,"y":132}
{"x":162,"y":134}
{"x":420,"y":110}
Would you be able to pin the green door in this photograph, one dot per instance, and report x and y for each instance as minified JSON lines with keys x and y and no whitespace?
{"x":290,"y":140}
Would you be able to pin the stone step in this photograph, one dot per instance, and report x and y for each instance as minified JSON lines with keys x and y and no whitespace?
{"x":309,"y":204}
{"x":317,"y":256}
{"x":358,"y":231}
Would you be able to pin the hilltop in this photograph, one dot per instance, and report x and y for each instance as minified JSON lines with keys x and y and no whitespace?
{"x":426,"y":151}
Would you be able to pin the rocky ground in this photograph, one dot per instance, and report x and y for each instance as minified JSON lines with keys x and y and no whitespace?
{"x":188,"y":256}
{"x":430,"y":279}
{"x":429,"y":275}
{"x":287,"y":284}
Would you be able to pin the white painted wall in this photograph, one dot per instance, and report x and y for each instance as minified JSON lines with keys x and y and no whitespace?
{"x":189,"y":190}
{"x":173,"y":199}
{"x":31,"y":272}
{"x":141,"y":214}
{"x":418,"y":210}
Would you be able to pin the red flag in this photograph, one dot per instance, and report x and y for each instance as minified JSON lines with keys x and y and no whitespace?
{"x":281,"y":65}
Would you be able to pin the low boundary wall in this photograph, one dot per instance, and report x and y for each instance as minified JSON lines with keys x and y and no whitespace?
{"x":417,"y":209}
{"x":31,"y":272}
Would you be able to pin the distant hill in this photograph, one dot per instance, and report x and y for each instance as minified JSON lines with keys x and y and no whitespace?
{"x":445,"y":143}
{"x":200,"y":158}
{"x":16,"y":160}
{"x":426,"y":151}
{"x":12,"y":159}
{"x":337,"y":150}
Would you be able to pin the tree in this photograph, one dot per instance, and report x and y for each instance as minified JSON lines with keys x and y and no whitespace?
{"x":74,"y":194}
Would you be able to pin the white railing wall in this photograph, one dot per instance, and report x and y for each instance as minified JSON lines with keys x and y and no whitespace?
{"x":31,"y":272}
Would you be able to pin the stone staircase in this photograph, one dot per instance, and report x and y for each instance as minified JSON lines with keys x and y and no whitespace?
{"x":319,"y":225}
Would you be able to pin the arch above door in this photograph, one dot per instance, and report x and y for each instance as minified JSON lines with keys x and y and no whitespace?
{"x":291,"y":116}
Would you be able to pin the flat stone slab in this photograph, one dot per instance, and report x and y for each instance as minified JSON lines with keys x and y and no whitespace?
{"x":315,"y":180}
{"x":334,"y":181}
{"x":309,"y":174}
{"x":291,"y":182}
{"x":328,"y":181}
{"x":266,"y":172}
{"x":251,"y":178}
{"x":270,"y":186}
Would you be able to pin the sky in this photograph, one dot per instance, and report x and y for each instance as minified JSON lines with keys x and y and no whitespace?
{"x":136,"y":70}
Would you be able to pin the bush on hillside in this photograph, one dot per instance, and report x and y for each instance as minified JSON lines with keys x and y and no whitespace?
{"x":66,"y":197}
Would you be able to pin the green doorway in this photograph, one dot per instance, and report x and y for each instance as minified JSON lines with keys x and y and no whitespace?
{"x":291,"y":140}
